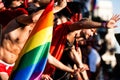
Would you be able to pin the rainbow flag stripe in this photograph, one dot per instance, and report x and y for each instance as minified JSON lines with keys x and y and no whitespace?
{"x":32,"y":60}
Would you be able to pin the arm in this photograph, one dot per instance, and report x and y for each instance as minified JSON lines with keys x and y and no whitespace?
{"x":87,"y":23}
{"x":85,"y":66}
{"x":77,"y":57}
{"x":27,"y":19}
{"x":61,"y":4}
{"x":53,"y":61}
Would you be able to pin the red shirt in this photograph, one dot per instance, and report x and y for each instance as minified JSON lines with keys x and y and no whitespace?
{"x":58,"y":44}
{"x":7,"y":15}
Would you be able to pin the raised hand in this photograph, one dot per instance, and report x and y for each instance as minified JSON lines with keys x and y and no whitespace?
{"x":60,"y":5}
{"x":112,"y":22}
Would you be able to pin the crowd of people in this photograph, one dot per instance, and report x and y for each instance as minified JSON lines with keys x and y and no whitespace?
{"x":74,"y":52}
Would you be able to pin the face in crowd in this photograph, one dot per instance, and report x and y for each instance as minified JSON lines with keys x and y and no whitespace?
{"x":84,"y":34}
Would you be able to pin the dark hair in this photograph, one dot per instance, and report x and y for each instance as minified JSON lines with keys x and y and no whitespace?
{"x":75,"y":7}
{"x":70,"y":9}
{"x":7,"y":3}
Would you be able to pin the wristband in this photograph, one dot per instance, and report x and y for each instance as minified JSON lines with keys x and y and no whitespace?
{"x":104,"y":24}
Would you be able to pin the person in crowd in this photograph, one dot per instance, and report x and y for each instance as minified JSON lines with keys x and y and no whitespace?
{"x":22,"y":26}
{"x":75,"y":58}
{"x":66,"y":32}
{"x":88,"y":41}
{"x":94,"y":61}
{"x":10,"y":10}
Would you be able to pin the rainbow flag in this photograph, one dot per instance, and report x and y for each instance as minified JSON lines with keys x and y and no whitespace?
{"x":32,"y":60}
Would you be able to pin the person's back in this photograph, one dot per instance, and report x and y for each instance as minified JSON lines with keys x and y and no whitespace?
{"x":14,"y":37}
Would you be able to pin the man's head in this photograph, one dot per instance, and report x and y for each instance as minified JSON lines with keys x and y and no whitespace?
{"x":89,"y":32}
{"x":84,"y":36}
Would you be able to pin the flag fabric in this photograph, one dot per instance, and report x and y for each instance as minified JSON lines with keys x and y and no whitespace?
{"x":33,"y":57}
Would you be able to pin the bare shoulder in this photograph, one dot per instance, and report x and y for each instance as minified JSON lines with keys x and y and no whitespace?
{"x":12,"y":25}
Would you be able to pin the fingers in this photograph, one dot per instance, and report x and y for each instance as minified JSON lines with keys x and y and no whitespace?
{"x":46,"y":77}
{"x":62,"y":3}
{"x":86,"y":66}
{"x":116,"y":17}
{"x":81,"y":69}
{"x":113,"y":20}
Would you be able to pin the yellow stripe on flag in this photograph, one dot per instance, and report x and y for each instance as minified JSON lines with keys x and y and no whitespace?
{"x":38,"y":39}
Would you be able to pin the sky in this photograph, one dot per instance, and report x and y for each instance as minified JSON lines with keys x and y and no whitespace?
{"x":116,"y":6}
{"x":116,"y":10}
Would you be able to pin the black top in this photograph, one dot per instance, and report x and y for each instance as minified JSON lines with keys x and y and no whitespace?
{"x":117,"y":36}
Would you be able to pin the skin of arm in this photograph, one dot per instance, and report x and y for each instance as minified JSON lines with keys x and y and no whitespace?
{"x":86,"y":23}
{"x":53,"y":61}
{"x":35,"y":16}
{"x":76,"y":55}
{"x":84,"y":73}
{"x":61,"y":4}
